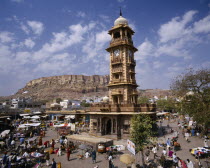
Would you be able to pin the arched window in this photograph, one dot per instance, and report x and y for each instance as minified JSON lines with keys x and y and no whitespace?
{"x":117,"y":35}
{"x":114,"y":125}
{"x":128,"y":35}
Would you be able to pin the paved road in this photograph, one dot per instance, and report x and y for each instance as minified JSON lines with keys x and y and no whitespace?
{"x":103,"y":163}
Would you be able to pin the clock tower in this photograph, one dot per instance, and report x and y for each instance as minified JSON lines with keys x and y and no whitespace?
{"x":122,"y":85}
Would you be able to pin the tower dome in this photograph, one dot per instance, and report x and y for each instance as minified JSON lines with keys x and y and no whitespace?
{"x":120,"y":21}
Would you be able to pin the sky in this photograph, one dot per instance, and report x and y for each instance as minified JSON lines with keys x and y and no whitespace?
{"x":41,"y":38}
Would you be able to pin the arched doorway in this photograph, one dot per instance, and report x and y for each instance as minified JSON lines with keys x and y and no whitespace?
{"x":108,"y":126}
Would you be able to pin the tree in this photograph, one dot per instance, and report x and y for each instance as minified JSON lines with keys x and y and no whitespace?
{"x":166,"y":104}
{"x":193,"y":89}
{"x":141,"y":132}
{"x":84,"y":104}
{"x":143,"y":100}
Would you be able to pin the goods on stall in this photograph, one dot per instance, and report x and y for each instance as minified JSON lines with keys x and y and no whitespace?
{"x":101,"y":148}
{"x":200,"y":151}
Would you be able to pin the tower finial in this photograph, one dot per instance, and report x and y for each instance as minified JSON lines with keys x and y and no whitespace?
{"x":120,"y":12}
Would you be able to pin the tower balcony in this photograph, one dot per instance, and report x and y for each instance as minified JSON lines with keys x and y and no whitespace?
{"x":134,"y":92}
{"x":116,"y":60}
{"x":132,"y":62}
{"x":120,"y":41}
{"x":116,"y":80}
{"x":133,"y":81}
{"x":131,"y":71}
{"x":117,"y":70}
{"x":116,"y":92}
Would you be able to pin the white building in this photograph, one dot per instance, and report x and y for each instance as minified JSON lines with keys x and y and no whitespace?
{"x":65,"y":104}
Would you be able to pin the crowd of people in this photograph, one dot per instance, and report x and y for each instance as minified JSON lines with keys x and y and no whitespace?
{"x":168,"y":157}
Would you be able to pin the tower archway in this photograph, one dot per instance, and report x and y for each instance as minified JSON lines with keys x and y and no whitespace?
{"x":106,"y":126}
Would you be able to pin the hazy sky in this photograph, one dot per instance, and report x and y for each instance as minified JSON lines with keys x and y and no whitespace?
{"x":40,"y":38}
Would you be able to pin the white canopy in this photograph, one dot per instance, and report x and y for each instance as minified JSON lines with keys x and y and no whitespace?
{"x":28,"y":125}
{"x":26,"y":117}
{"x":70,"y":116}
{"x":35,"y":117}
{"x":33,"y":124}
{"x":4,"y":133}
{"x":23,"y":126}
{"x":24,"y":114}
{"x":162,"y":113}
{"x":62,"y":125}
{"x":38,"y":112}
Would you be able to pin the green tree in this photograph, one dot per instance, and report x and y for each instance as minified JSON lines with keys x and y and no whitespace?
{"x":193,"y":89}
{"x":141,"y":132}
{"x":166,"y":105}
{"x":84,"y":104}
{"x":143,"y":100}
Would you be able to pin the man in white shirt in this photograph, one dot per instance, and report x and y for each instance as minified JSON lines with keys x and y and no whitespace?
{"x":164,"y":152}
{"x":154,"y":150}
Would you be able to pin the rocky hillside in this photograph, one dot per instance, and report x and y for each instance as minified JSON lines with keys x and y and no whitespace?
{"x":73,"y":87}
{"x":65,"y":86}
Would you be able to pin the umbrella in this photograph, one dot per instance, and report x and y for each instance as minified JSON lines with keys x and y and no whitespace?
{"x":127,"y":159}
{"x":4,"y":133}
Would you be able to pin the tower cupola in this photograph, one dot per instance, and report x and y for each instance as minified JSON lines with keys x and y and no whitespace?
{"x":120,"y":21}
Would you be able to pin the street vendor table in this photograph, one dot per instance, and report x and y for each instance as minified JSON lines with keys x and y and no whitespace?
{"x":200,"y":151}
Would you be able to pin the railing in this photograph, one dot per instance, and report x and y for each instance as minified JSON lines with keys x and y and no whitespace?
{"x":116,"y":80}
{"x":116,"y":60}
{"x":115,"y":70}
{"x":131,"y":61}
{"x":117,"y":92}
{"x":131,"y":71}
{"x":121,"y":41}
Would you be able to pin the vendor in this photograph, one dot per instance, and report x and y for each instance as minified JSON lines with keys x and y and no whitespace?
{"x":40,"y":141}
{"x":26,"y":154}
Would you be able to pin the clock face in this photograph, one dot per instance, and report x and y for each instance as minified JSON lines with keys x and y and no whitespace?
{"x":130,"y":53}
{"x":116,"y":52}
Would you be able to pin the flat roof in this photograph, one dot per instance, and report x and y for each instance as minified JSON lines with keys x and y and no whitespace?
{"x":88,"y":138}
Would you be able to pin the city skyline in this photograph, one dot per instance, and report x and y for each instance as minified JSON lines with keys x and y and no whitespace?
{"x":47,"y":38}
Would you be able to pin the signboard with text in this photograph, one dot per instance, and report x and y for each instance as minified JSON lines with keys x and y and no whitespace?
{"x":131,"y":147}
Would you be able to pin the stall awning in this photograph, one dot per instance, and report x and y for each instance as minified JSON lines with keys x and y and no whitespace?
{"x":4,"y":133}
{"x":24,"y":114}
{"x":70,"y":116}
{"x":38,"y":112}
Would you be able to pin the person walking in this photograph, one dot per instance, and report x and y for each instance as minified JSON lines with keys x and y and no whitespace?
{"x":170,"y":153}
{"x":147,"y":153}
{"x":168,"y":143}
{"x":59,"y":153}
{"x":175,"y":160}
{"x":164,"y":152}
{"x":110,"y":161}
{"x":93,"y":154}
{"x":187,"y":135}
{"x":162,"y":160}
{"x":47,"y":158}
{"x":154,"y":150}
{"x":5,"y":159}
{"x":68,"y":153}
{"x":53,"y":163}
{"x":197,"y":163}
{"x":189,"y":164}
{"x":206,"y":143}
